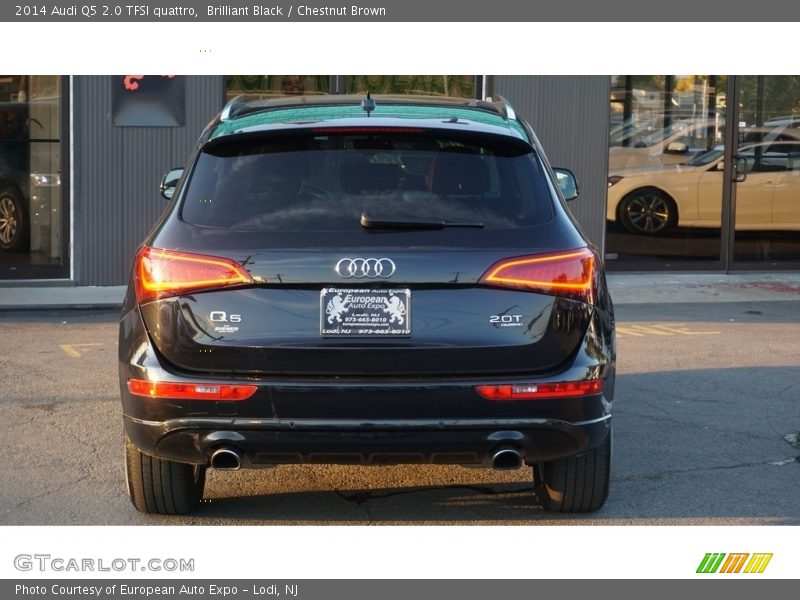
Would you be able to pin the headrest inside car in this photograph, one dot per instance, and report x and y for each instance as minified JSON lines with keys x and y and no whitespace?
{"x":358,"y":177}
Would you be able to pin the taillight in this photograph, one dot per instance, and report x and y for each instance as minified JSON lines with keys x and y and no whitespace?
{"x":161,"y":273}
{"x":569,"y":273}
{"x":532,"y":391}
{"x":190,"y":391}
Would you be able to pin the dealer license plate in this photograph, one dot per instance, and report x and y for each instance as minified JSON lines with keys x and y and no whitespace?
{"x":365,"y":313}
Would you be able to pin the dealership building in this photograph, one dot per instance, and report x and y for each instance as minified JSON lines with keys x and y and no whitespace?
{"x":697,"y":172}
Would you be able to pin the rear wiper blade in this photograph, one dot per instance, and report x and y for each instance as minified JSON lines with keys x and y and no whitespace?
{"x":372,"y":222}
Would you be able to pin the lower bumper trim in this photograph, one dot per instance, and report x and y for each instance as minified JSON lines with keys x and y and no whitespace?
{"x":270,"y":442}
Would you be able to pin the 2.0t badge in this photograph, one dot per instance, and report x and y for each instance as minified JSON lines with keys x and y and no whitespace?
{"x":506,"y":320}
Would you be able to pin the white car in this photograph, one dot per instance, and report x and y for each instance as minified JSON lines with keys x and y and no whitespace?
{"x":652,"y":201}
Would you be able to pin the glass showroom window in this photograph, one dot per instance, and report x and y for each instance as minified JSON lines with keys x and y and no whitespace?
{"x":454,"y":86}
{"x":666,"y":174}
{"x":767,"y":212}
{"x":665,"y":169}
{"x":270,"y":86}
{"x":31,"y":216}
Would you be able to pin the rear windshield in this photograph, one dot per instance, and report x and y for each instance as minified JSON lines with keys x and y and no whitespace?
{"x":326,"y":183}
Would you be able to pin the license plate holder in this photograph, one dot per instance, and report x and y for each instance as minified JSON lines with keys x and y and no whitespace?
{"x":367,"y":313}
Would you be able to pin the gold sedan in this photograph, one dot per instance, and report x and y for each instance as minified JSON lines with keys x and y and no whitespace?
{"x":652,"y":201}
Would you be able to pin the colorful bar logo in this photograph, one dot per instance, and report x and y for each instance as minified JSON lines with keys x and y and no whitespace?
{"x":713,"y":563}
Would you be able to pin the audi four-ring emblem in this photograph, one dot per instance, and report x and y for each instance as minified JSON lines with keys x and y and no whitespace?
{"x":359,"y":268}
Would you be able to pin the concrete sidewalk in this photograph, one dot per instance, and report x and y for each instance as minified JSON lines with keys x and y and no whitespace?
{"x":56,"y":298}
{"x":660,"y":288}
{"x":626,"y":288}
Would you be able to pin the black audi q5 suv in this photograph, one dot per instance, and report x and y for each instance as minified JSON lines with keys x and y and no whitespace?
{"x":367,"y":281}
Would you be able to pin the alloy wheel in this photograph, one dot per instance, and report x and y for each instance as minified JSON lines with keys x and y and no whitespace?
{"x":9,"y":220}
{"x":648,"y":213}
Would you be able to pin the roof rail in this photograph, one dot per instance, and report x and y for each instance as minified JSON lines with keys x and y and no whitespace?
{"x":232,"y":107}
{"x":504,"y":107}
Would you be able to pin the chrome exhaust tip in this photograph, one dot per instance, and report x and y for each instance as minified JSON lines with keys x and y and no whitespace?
{"x":226,"y":459}
{"x":506,"y":459}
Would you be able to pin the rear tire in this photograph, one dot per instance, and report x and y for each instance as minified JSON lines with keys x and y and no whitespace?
{"x":162,"y":487}
{"x":576,"y":484}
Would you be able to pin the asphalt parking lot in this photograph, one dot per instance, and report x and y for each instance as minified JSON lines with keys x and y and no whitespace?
{"x":706,"y":425}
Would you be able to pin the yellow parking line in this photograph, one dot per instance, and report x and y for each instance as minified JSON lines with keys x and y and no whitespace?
{"x":75,"y":350}
{"x":664,"y":329}
{"x":682,"y":329}
{"x":640,"y":331}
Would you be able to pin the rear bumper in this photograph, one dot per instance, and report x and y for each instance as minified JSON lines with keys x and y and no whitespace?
{"x":365,"y":420}
{"x":270,"y":442}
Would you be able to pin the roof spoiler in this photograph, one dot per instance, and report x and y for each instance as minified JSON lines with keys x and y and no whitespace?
{"x":242,"y":104}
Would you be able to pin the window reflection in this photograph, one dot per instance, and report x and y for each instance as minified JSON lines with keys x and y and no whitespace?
{"x":454,"y":86}
{"x":665,"y":178}
{"x":768,"y":200}
{"x":269,"y":86}
{"x":30,"y":171}
{"x":665,"y":183}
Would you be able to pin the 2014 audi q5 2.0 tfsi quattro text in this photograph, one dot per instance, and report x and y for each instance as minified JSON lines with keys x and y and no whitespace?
{"x":367,"y":281}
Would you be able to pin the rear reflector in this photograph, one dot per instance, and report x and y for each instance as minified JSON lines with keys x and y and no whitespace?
{"x":569,"y":273}
{"x":162,"y":273}
{"x":531,"y":391}
{"x":190,"y":391}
